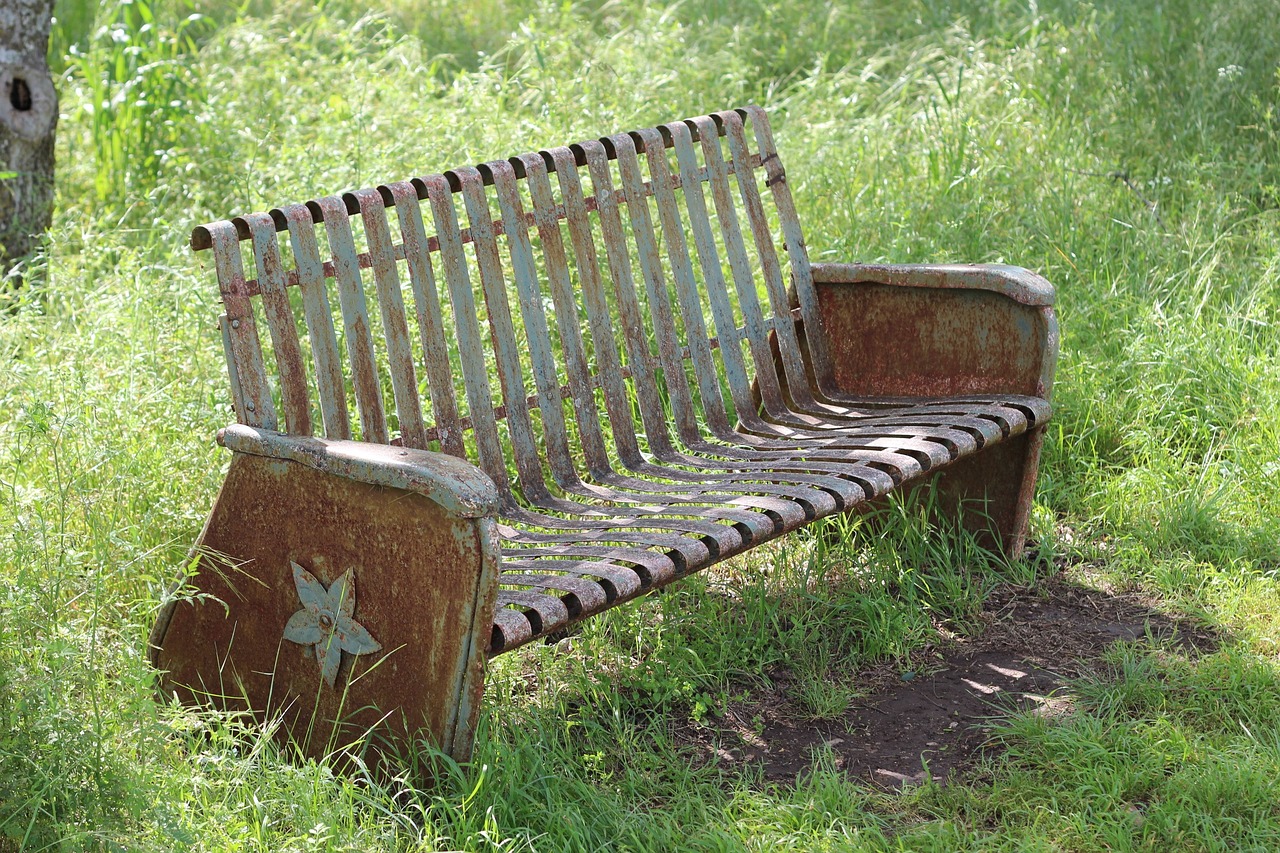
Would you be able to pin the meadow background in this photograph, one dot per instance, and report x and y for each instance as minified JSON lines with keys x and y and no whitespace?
{"x":1129,"y":151}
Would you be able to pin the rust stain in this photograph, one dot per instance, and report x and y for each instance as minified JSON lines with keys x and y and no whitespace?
{"x":411,"y":559}
{"x":888,"y":340}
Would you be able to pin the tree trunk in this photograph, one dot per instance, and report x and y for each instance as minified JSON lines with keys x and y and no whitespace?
{"x":28,"y":118}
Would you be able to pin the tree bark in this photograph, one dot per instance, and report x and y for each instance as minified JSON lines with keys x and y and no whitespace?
{"x":28,"y":119}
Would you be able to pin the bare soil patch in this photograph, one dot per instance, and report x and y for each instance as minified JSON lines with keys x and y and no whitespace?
{"x":936,"y":709}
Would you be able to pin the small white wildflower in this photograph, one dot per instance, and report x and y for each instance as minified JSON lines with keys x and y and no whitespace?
{"x":1230,"y":72}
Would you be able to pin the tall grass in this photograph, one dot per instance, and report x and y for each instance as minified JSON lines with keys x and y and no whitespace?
{"x":923,"y":130}
{"x":134,"y":89}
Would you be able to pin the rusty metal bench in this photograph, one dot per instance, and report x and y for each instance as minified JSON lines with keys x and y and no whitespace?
{"x":633,"y":371}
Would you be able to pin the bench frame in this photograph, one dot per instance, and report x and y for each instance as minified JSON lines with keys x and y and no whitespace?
{"x":424,"y":526}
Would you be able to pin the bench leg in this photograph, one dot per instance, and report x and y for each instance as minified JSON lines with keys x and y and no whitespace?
{"x":352,"y":614}
{"x":992,"y":492}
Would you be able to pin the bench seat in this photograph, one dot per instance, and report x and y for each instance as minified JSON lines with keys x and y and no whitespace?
{"x":573,"y":558}
{"x":592,"y":370}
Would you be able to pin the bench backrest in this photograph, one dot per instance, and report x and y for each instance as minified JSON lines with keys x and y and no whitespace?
{"x":639,"y":297}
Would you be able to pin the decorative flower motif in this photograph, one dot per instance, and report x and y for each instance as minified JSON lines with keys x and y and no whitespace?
{"x":326,"y":621}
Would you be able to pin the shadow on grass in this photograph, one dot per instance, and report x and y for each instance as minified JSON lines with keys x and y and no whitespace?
{"x":931,"y":716}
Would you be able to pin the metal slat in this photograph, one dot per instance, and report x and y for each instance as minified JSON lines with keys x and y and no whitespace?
{"x":670,"y":356}
{"x":686,"y":287}
{"x":551,"y":611}
{"x":684,"y":551}
{"x":596,"y":302}
{"x":620,"y":583}
{"x":502,"y":333}
{"x":280,"y":323}
{"x":782,"y":323}
{"x":475,"y":374}
{"x":757,"y":333}
{"x":647,"y":566}
{"x":366,"y":260}
{"x":699,"y":223}
{"x":801,"y":273}
{"x":556,"y":268}
{"x":511,"y":628}
{"x":237,"y":396}
{"x":319,"y":318}
{"x":586,"y":596}
{"x":684,"y":492}
{"x":639,"y":359}
{"x":429,"y":314}
{"x":395,"y":327}
{"x":537,"y":334}
{"x":630,"y":490}
{"x":246,"y":350}
{"x":355,"y":318}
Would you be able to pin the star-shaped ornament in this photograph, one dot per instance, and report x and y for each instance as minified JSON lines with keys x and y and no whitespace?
{"x":326,"y":621}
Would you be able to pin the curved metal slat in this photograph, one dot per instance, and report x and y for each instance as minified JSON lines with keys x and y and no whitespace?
{"x":319,"y":319}
{"x":280,"y":322}
{"x":258,"y":409}
{"x":699,"y":343}
{"x":355,"y":318}
{"x":502,"y":332}
{"x":797,"y":252}
{"x":630,"y":316}
{"x":757,"y":332}
{"x":594,"y":299}
{"x":475,"y":374}
{"x":781,"y":321}
{"x":716,"y":292}
{"x":395,"y":327}
{"x":556,"y":268}
{"x":655,"y":288}
{"x":428,"y":313}
{"x":537,"y":332}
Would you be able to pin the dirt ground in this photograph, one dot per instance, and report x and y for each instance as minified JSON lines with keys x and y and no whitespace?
{"x":937,"y":707}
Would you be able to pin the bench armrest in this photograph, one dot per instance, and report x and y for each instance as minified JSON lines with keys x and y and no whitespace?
{"x":924,"y":330}
{"x":297,"y":518}
{"x":1017,"y":283}
{"x":459,"y":487}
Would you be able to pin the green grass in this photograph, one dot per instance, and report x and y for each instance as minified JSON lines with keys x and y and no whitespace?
{"x":913,"y":131}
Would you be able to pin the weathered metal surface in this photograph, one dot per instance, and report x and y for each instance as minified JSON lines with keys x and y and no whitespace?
{"x":502,"y":334}
{"x":991,"y":492}
{"x":1020,"y":285}
{"x":454,"y":484}
{"x":782,"y":323}
{"x":639,"y":311}
{"x":256,"y":407}
{"x":444,"y":401}
{"x":556,"y":270}
{"x":537,"y":336}
{"x":395,"y":328}
{"x":280,"y":321}
{"x":310,"y":276}
{"x":425,"y":576}
{"x":470,"y":665}
{"x":237,"y":396}
{"x":470,"y":349}
{"x":889,"y":340}
{"x":355,"y":318}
